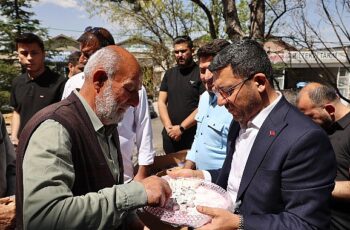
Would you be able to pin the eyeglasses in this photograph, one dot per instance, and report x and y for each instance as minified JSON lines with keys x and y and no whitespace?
{"x":226,"y":93}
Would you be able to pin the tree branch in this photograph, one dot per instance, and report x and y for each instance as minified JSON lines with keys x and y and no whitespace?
{"x":210,"y":18}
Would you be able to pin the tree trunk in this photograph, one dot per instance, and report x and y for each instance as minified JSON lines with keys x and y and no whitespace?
{"x":257,"y":19}
{"x":233,"y":25}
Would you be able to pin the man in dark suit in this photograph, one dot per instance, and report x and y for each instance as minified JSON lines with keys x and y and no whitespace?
{"x":280,"y":167}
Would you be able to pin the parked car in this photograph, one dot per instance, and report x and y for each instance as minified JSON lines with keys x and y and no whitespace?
{"x":152,"y":111}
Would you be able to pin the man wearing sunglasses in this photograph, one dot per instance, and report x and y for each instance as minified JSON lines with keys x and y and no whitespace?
{"x":135,"y":128}
{"x":178,"y":98}
{"x":280,"y":166}
{"x":93,"y":39}
{"x":208,"y":150}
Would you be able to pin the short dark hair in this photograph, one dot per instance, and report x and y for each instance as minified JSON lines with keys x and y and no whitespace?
{"x":183,"y":39}
{"x":74,"y":57}
{"x":212,"y":48}
{"x":103,"y":36}
{"x":246,"y":57}
{"x":322,"y":94}
{"x":27,"y":38}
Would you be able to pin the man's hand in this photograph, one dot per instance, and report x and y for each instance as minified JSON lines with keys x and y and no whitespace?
{"x":189,"y":165}
{"x":157,"y":189}
{"x":7,"y":213}
{"x":168,"y":128}
{"x":221,"y":219}
{"x":174,"y":132}
{"x":7,"y":200}
{"x":175,"y":173}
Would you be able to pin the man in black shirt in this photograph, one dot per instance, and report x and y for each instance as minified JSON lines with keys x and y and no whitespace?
{"x":37,"y":88}
{"x":323,"y":105}
{"x":178,"y":98}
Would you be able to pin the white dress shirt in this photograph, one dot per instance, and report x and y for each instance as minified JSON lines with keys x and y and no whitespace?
{"x":243,"y":146}
{"x":134,"y":129}
{"x":75,"y":82}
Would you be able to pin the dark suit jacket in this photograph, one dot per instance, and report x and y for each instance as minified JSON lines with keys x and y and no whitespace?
{"x":289,"y":176}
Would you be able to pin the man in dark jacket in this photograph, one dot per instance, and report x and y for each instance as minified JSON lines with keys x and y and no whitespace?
{"x":280,"y":166}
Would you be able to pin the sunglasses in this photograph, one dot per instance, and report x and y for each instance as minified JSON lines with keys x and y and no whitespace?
{"x":102,"y":38}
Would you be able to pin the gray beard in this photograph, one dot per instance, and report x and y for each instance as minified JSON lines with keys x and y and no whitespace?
{"x":107,"y":107}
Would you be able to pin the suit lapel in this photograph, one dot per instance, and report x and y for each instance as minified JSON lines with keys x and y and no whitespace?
{"x":269,"y":131}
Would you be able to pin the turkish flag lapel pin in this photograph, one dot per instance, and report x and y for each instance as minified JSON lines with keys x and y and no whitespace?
{"x":272,"y":133}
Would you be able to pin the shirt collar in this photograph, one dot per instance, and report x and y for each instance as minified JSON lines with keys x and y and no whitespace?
{"x":343,"y":122}
{"x":97,"y":124}
{"x":28,"y":79}
{"x":212,"y":98}
{"x":79,"y":75}
{"x":259,"y":119}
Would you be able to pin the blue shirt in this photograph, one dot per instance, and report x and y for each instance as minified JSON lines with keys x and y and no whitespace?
{"x":208,"y":150}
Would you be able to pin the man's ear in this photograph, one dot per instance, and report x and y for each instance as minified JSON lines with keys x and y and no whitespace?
{"x":330,"y":109}
{"x":99,"y":77}
{"x":260,"y":80}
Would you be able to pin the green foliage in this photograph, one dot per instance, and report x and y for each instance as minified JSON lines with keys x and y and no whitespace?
{"x":8,"y":71}
{"x":17,"y":19}
{"x":158,"y":21}
{"x":148,"y":80}
{"x":4,"y":98}
{"x":244,"y":15}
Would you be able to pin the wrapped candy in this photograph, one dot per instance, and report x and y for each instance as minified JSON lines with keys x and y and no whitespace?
{"x":187,"y":193}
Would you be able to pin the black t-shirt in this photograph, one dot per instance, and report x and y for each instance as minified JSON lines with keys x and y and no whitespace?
{"x":29,"y":96}
{"x":339,"y":136}
{"x":184,"y":87}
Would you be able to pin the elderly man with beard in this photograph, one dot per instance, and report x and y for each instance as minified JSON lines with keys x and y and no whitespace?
{"x":70,"y":171}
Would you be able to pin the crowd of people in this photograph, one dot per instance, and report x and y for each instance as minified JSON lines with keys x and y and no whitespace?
{"x":68,"y":162}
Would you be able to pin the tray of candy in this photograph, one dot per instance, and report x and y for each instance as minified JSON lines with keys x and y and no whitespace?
{"x":187,"y":193}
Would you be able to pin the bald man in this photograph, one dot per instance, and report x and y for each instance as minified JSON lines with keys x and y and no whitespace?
{"x":322,"y":104}
{"x":70,"y":168}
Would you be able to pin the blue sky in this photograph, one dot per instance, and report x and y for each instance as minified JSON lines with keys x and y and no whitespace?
{"x":67,"y":17}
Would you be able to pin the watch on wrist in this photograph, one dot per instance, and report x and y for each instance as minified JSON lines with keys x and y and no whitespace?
{"x":241,"y":223}
{"x":182,"y":129}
